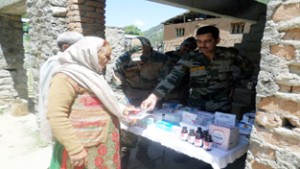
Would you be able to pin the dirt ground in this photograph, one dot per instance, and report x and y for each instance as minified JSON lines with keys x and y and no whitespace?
{"x":20,"y":144}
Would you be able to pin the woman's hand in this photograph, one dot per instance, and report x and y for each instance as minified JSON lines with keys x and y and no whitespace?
{"x":79,"y":159}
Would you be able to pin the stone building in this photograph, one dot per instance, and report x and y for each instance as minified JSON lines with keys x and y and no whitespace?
{"x":180,"y":27}
{"x":273,"y":42}
{"x":12,"y":74}
{"x":49,"y":18}
{"x":276,"y":136}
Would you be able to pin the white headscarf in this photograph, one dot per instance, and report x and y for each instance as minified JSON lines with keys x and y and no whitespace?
{"x":80,"y":62}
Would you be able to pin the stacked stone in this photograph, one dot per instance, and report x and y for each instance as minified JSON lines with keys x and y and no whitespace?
{"x":87,"y":16}
{"x":12,"y":74}
{"x":49,"y":18}
{"x":116,"y":37}
{"x":47,"y":21}
{"x":275,"y":139}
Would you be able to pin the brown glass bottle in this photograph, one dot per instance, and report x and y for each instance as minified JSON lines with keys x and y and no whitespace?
{"x":205,"y":133}
{"x":184,"y":134}
{"x":199,"y":130}
{"x":207,"y":144}
{"x":199,"y":140}
{"x":191,"y":136}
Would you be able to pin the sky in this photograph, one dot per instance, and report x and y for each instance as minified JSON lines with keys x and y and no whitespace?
{"x":142,"y":13}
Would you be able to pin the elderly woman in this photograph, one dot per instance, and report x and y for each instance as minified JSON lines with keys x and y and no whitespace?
{"x":82,"y":110}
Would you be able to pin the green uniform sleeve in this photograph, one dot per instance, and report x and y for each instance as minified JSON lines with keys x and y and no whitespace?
{"x":166,"y":69}
{"x":118,"y":81}
{"x":118,"y":69}
{"x":171,"y":80}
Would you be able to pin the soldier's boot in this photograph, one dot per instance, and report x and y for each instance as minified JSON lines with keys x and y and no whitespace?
{"x":143,"y":157}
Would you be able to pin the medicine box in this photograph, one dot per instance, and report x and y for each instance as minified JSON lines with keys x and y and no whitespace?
{"x":225,"y":119}
{"x":224,"y":138}
{"x":173,"y":117}
{"x":164,"y":125}
{"x":205,"y":118}
{"x":199,"y":118}
{"x":189,"y":117}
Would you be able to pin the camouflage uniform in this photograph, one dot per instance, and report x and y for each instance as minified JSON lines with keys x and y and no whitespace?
{"x":210,"y":81}
{"x":139,"y":80}
{"x":180,"y":93}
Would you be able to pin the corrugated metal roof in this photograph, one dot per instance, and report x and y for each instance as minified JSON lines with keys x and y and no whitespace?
{"x":263,"y":1}
{"x":187,"y":17}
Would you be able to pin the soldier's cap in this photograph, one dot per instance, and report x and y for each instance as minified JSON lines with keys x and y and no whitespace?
{"x":136,"y":47}
{"x":190,"y":42}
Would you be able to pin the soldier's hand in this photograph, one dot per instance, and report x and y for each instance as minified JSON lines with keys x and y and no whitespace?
{"x":130,"y":110}
{"x":149,"y":103}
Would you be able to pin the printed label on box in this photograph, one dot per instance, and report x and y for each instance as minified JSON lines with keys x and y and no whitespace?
{"x":223,"y":137}
{"x":218,"y":136}
{"x":225,"y":119}
{"x":189,"y":118}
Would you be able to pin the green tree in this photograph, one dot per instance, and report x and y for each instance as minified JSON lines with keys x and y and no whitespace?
{"x":132,"y":30}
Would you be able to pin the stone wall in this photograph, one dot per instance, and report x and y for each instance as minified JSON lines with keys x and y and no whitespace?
{"x":47,"y":21}
{"x":87,"y":16}
{"x":116,"y":37}
{"x":49,"y":18}
{"x":12,"y":74}
{"x":275,"y":137}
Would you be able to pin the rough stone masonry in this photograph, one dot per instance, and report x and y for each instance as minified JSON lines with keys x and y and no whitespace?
{"x":49,"y":18}
{"x":275,"y":139}
{"x":12,"y":74}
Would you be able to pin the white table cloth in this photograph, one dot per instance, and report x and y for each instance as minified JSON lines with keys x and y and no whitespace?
{"x":216,"y":157}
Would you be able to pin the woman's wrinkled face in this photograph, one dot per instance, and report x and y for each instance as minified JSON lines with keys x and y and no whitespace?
{"x":104,"y":54}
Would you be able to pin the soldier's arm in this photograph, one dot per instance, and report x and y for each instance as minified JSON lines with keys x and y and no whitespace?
{"x":171,"y":80}
{"x":118,"y":78}
{"x":164,"y":60}
{"x":166,"y":69}
{"x":245,"y":65}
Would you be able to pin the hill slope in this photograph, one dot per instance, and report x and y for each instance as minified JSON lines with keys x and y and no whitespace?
{"x":155,"y":35}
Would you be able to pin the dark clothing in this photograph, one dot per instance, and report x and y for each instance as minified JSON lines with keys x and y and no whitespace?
{"x":180,"y":93}
{"x":210,"y":81}
{"x":138,"y":80}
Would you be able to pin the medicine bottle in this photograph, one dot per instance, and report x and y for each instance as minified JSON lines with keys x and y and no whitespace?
{"x":207,"y":145}
{"x":199,"y":140}
{"x":191,"y":136}
{"x":199,"y":131}
{"x":184,"y":134}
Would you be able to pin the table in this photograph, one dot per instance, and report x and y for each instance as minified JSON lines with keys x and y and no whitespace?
{"x":216,"y":157}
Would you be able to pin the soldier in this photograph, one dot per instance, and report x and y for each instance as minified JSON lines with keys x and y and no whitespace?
{"x":137,"y":72}
{"x":210,"y":71}
{"x":180,"y":93}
